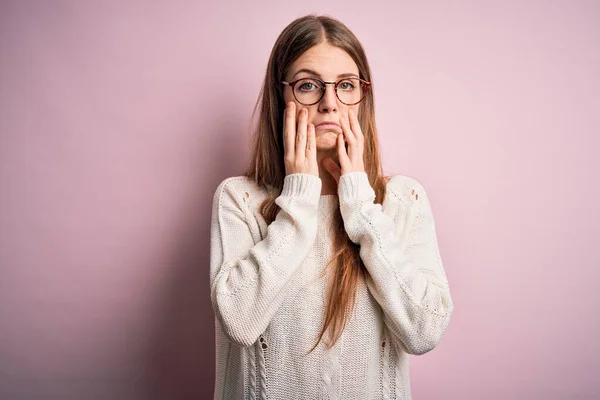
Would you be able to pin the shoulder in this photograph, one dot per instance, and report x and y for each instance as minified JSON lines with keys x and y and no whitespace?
{"x":405,"y":186}
{"x":236,"y":183}
{"x":407,"y":190}
{"x":239,"y":191}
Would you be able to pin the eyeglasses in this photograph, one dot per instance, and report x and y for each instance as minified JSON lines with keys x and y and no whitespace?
{"x":309,"y":91}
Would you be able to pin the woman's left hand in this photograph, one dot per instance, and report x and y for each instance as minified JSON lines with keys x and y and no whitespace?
{"x":352,"y":160}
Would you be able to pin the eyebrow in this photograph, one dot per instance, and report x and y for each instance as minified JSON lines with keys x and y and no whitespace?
{"x":315,"y":73}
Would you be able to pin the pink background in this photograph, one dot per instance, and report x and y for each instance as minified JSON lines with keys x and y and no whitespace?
{"x":118,"y":120}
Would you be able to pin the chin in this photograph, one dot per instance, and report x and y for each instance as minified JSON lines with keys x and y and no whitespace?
{"x":327,"y":141}
{"x":326,"y":146}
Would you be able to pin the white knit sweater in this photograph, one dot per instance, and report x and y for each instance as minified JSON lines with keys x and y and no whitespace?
{"x":268,"y":292}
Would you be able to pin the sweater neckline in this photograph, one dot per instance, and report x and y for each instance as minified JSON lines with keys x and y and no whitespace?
{"x":328,"y":200}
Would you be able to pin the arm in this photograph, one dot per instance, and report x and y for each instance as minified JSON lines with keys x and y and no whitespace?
{"x":248,"y":279}
{"x":406,"y":275}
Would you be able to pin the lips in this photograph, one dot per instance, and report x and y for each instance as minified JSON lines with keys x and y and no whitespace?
{"x":329,"y":126}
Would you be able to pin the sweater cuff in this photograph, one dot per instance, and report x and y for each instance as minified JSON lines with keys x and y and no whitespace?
{"x":355,"y":186}
{"x":301,"y":184}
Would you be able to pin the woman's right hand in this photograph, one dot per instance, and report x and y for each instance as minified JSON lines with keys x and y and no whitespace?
{"x":299,"y":143}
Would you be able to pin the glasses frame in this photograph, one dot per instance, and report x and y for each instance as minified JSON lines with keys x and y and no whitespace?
{"x":365,"y":85}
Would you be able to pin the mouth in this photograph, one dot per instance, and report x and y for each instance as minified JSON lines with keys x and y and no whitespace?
{"x":328,"y":126}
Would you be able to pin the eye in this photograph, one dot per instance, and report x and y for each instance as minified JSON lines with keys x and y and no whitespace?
{"x":308,"y":85}
{"x":346,"y":85}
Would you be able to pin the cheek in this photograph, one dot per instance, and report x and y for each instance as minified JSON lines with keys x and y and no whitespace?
{"x":287,"y":97}
{"x":312,"y":112}
{"x":346,"y":111}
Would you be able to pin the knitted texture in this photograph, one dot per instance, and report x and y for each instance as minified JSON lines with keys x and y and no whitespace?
{"x":269,"y":289}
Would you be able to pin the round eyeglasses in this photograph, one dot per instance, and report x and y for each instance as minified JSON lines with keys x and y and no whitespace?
{"x":309,"y":91}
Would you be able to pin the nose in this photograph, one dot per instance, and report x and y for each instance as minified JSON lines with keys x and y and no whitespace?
{"x":329,"y":101}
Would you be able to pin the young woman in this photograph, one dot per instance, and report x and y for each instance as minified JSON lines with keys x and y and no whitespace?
{"x":325,"y":275}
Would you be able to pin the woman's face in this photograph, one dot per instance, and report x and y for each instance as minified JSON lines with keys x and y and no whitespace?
{"x":328,"y":63}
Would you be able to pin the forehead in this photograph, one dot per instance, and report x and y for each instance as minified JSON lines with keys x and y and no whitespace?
{"x":329,"y":61}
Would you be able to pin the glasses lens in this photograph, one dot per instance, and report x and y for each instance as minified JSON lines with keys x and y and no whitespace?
{"x":308,"y":91}
{"x":350,"y":91}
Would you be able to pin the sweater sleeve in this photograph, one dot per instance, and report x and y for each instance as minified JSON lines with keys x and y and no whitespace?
{"x":248,"y":279}
{"x":400,"y":252}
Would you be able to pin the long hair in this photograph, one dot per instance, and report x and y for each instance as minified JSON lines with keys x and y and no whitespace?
{"x":267,"y":166}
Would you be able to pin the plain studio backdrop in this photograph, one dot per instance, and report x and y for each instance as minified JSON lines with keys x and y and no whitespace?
{"x":118,"y":119}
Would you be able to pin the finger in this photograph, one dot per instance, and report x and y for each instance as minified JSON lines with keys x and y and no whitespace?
{"x":349,"y":136}
{"x":289,"y":129}
{"x":356,"y":129}
{"x":301,"y":134}
{"x":342,"y":155}
{"x":332,"y":168}
{"x":311,"y":143}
